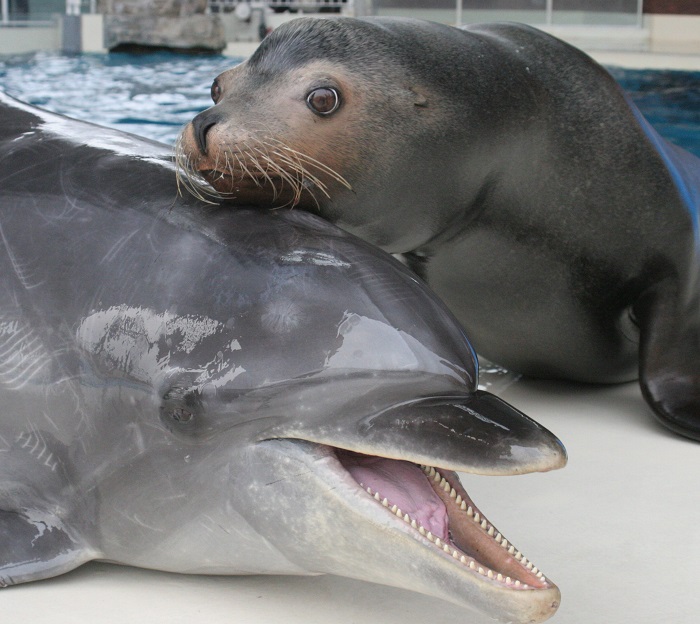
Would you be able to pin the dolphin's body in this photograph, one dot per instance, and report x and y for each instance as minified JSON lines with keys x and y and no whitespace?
{"x":194,"y":389}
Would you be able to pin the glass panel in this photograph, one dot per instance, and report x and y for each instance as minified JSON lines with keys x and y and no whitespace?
{"x":595,"y":12}
{"x":528,"y":11}
{"x":31,"y":10}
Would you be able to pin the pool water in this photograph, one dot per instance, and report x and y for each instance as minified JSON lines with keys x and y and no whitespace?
{"x":154,"y":95}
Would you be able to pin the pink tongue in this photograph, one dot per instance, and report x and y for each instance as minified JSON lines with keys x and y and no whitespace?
{"x":403,"y":484}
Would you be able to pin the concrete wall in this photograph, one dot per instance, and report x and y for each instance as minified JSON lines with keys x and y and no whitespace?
{"x":673,"y":33}
{"x":29,"y":39}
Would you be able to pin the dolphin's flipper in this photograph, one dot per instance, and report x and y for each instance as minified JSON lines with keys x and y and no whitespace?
{"x":42,"y":514}
{"x":35,"y":544}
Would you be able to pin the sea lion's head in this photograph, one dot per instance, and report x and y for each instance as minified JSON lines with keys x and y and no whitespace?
{"x":328,"y":116}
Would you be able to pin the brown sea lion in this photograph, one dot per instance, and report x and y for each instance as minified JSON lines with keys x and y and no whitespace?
{"x":508,"y":167}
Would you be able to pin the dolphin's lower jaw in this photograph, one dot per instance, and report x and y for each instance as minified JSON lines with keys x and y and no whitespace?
{"x":372,"y":536}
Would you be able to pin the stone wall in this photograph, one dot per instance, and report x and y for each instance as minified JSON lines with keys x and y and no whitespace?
{"x":171,"y":24}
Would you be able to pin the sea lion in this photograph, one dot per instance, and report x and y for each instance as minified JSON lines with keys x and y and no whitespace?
{"x":195,"y":389}
{"x":508,"y":168}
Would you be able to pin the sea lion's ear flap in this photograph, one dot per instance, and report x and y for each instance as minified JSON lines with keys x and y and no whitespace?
{"x":419,"y":100}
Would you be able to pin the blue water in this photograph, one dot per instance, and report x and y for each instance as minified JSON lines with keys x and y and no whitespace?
{"x":154,"y":95}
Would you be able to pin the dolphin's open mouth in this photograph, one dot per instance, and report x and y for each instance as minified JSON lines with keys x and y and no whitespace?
{"x":434,"y":503}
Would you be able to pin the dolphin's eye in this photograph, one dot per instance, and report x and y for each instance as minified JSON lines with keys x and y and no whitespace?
{"x":181,"y":415}
{"x":182,"y":409}
{"x":215,"y":91}
{"x":323,"y":101}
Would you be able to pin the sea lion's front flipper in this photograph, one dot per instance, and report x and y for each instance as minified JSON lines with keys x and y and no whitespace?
{"x":669,"y":363}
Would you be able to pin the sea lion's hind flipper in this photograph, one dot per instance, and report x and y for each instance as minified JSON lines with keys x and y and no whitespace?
{"x":669,"y":358}
{"x":36,"y":545}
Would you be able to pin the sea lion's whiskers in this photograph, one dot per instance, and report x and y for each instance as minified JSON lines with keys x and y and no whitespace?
{"x":305,"y":175}
{"x":313,"y":162}
{"x":284,"y":175}
{"x":263,"y":170}
{"x":186,"y":177}
{"x":246,"y":171}
{"x":299,"y":175}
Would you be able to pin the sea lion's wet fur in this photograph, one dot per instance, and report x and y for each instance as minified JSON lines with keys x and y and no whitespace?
{"x":517,"y":178}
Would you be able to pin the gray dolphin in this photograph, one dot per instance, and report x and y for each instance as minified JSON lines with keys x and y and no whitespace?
{"x":200,"y":390}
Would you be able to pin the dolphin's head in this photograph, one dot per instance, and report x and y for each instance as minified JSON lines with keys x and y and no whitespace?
{"x":303,"y":410}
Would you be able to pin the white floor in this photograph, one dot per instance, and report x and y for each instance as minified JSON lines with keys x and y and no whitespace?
{"x":617,"y":530}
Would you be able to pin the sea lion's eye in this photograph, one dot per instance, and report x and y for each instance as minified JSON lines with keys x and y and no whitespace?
{"x":323,"y":101}
{"x":215,"y":91}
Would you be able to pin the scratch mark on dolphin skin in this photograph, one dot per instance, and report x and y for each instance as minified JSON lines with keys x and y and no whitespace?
{"x":22,"y":272}
{"x":117,"y":247}
{"x":140,"y":522}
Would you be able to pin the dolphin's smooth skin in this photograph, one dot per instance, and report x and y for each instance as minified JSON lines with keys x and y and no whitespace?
{"x":194,"y":389}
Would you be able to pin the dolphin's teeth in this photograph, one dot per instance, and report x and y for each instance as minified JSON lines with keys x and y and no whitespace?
{"x":439,"y":481}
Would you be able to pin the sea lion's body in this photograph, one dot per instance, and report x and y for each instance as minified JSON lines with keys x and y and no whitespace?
{"x":510,"y":170}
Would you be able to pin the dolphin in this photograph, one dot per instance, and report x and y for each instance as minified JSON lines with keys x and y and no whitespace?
{"x":194,"y":389}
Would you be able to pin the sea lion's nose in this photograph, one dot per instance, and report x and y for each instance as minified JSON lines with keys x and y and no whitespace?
{"x":201,"y":125}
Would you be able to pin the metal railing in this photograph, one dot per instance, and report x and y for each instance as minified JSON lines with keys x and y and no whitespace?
{"x":304,"y":6}
{"x":553,"y":8}
{"x":13,"y":13}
